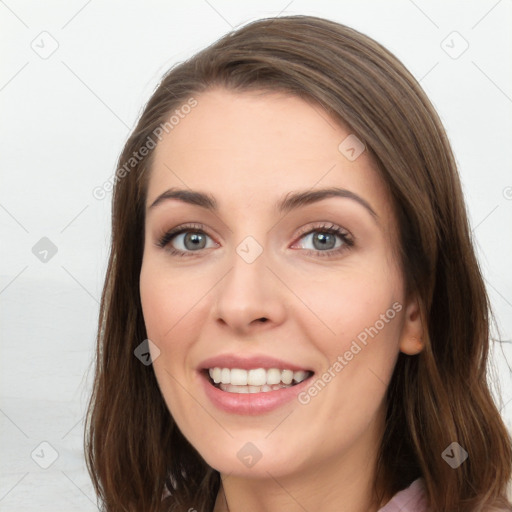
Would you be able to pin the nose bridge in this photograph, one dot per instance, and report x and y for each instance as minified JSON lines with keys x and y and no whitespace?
{"x":249,"y":291}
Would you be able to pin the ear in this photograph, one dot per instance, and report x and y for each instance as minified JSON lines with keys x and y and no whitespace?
{"x":411,"y":338}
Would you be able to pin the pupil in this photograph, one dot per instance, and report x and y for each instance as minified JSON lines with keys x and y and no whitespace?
{"x":195,"y":238}
{"x":321,"y":237}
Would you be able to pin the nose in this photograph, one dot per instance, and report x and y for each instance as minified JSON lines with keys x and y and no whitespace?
{"x":250,"y":297}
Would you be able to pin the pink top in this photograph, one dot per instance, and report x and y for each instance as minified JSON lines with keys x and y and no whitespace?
{"x":411,"y":499}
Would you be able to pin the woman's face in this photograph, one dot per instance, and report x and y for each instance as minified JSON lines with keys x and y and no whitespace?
{"x":263,"y":288}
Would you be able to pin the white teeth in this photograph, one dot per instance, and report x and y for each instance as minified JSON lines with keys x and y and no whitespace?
{"x":256,"y":378}
{"x":299,"y":376}
{"x":251,"y":389}
{"x":239,"y":377}
{"x":215,"y":374}
{"x":273,"y":376}
{"x":225,"y":376}
{"x":287,"y":376}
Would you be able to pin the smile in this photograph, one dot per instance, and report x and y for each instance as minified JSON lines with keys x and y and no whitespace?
{"x":256,"y":380}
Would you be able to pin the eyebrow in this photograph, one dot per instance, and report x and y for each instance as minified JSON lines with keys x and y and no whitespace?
{"x":291,"y":201}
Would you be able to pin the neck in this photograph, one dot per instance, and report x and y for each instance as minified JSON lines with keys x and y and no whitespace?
{"x":342,"y":482}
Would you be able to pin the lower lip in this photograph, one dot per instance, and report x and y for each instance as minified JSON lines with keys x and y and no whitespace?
{"x":251,"y":403}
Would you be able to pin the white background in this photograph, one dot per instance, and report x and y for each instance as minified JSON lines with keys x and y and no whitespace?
{"x":64,"y":121}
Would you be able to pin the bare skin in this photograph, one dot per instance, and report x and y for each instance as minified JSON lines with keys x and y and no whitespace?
{"x":248,"y":151}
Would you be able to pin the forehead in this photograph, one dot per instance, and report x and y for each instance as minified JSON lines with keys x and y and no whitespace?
{"x":261,"y":145}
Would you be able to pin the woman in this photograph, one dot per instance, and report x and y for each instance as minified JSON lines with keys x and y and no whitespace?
{"x":291,"y":252}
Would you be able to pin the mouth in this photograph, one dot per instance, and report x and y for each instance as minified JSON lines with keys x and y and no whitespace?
{"x":255,"y":380}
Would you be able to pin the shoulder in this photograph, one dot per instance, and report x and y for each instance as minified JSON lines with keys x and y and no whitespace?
{"x":410,"y":499}
{"x":414,"y":499}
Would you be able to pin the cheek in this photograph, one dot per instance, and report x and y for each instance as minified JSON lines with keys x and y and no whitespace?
{"x":348,"y":303}
{"x":359,"y":316}
{"x":166,"y":302}
{"x":154,"y":305}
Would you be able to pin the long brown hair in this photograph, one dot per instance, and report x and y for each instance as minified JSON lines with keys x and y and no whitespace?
{"x":134,"y":450}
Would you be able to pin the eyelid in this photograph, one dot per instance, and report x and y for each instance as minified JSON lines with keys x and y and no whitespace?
{"x":327,"y":227}
{"x":168,"y":235}
{"x":323,"y":225}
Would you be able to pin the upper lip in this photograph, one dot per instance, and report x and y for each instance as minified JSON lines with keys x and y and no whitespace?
{"x":248,"y":363}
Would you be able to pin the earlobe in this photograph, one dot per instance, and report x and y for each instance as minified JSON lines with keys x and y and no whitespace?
{"x":411,"y":339}
{"x":411,"y":346}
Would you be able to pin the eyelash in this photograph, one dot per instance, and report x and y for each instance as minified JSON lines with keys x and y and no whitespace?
{"x":168,"y":236}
